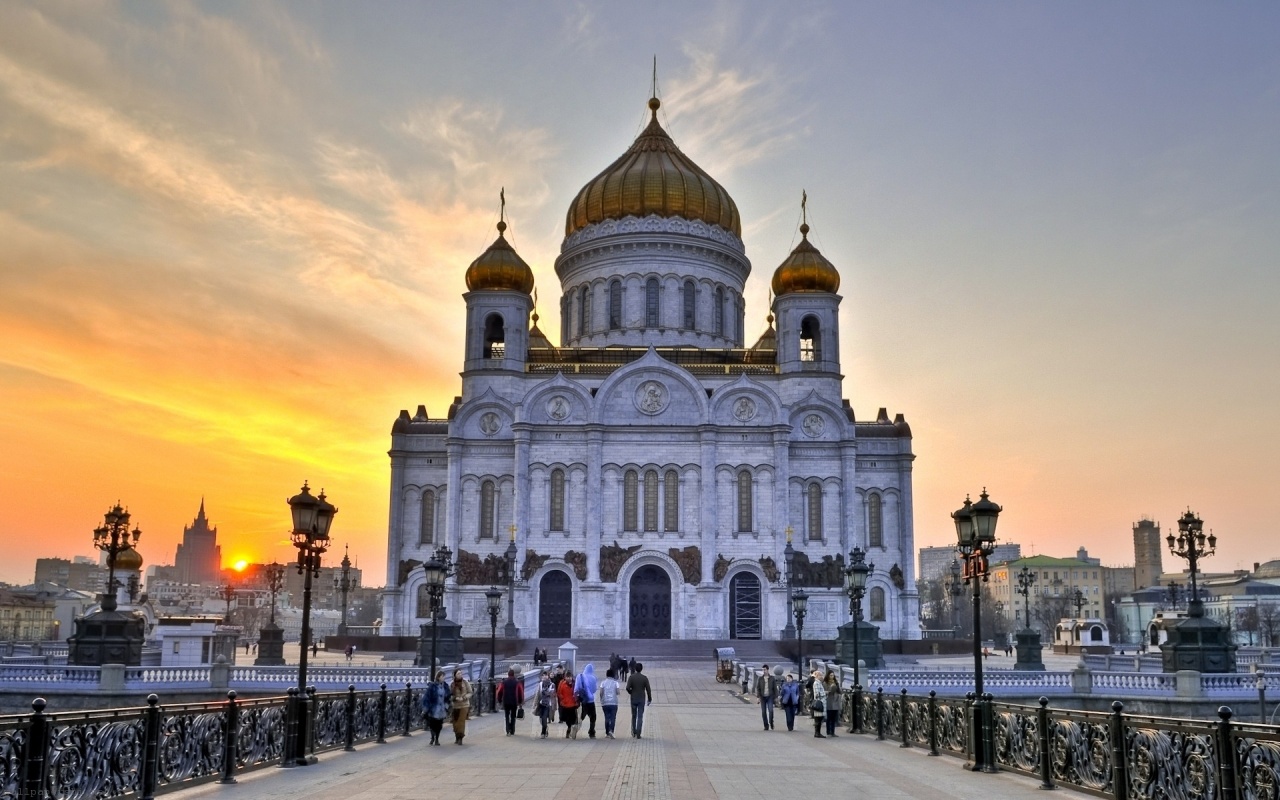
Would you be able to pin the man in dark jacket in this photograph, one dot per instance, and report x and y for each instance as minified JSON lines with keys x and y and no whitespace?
{"x":766,"y":693}
{"x":641,"y":696}
{"x":511,"y":695}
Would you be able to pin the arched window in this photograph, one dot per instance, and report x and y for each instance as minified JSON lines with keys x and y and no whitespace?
{"x":744,"y":501}
{"x":630,"y":483}
{"x":671,"y":501}
{"x":424,"y":602}
{"x":556,"y":504}
{"x":564,"y":319}
{"x":495,"y":337}
{"x":689,"y":293}
{"x":717,"y":313}
{"x":488,"y":519}
{"x":651,"y":303}
{"x":815,"y":512}
{"x":809,"y":347}
{"x":877,"y":604}
{"x":584,"y":311}
{"x":615,"y":305}
{"x":651,"y":500}
{"x":875,"y":522}
{"x":427,"y":527}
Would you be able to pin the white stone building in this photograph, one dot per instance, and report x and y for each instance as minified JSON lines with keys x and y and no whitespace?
{"x":651,"y":466}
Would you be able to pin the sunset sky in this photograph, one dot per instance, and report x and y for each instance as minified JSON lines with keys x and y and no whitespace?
{"x":233,"y":238}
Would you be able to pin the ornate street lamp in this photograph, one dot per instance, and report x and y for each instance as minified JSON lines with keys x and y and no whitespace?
{"x":509,"y":559}
{"x":275,"y":582}
{"x":955,"y":587}
{"x":1195,"y":642}
{"x":113,"y":537}
{"x":436,"y":571}
{"x":1077,"y":600}
{"x":976,"y":540}
{"x":493,"y":598}
{"x":799,"y":607}
{"x":312,"y":517}
{"x":1192,"y":545}
{"x":789,"y":561}
{"x":1026,"y":578}
{"x":855,"y":585}
{"x":228,"y":594}
{"x":344,"y":583}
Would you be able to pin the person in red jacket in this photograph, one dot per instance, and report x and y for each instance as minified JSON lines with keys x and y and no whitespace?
{"x":568,"y":706}
{"x":511,"y":695}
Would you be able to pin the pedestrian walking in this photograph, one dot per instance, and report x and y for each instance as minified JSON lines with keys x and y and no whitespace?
{"x":641,"y":696}
{"x":789,"y":699}
{"x":766,"y":694}
{"x":818,"y":706}
{"x":511,"y":695}
{"x":435,"y":705}
{"x":584,"y":690}
{"x":460,"y":698}
{"x":832,"y":686}
{"x":609,"y":700}
{"x":546,"y":700}
{"x":568,"y":703}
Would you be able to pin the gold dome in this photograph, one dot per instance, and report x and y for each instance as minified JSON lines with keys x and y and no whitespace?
{"x":129,"y":560}
{"x":653,"y":177}
{"x":805,"y":270}
{"x":500,"y":268}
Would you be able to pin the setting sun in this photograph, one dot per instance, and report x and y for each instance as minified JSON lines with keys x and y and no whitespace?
{"x":240,"y":565}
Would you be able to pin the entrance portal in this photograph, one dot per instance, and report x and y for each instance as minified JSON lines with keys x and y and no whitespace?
{"x":650,"y":603}
{"x":744,"y":606}
{"x":555,"y":605}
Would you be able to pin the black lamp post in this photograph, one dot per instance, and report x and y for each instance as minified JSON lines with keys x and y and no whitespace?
{"x":1077,"y":600}
{"x":275,"y":582}
{"x":312,"y":517}
{"x":493,"y":598}
{"x":437,"y":569}
{"x":976,"y":535}
{"x":113,"y":537}
{"x":342,"y":584}
{"x":799,"y":607}
{"x":509,"y":558}
{"x":789,"y":561}
{"x":1173,"y":595}
{"x":855,"y":584}
{"x":228,"y":595}
{"x":1025,"y":580}
{"x":955,"y":587}
{"x":1192,"y":545}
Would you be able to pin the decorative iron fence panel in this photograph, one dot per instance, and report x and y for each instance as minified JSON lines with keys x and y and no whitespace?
{"x":1171,"y":758}
{"x":1256,"y":750}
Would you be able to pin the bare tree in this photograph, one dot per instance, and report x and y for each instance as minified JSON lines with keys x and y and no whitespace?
{"x":1268,"y":621}
{"x":1246,"y":621}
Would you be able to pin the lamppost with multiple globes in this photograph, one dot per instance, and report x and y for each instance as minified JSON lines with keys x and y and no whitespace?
{"x":789,"y":562}
{"x":1195,"y":642}
{"x":437,"y":570}
{"x":955,"y":588}
{"x":1191,"y":544}
{"x":1077,"y":600}
{"x":228,"y":595}
{"x":509,"y":559}
{"x":271,"y":636}
{"x":855,"y":584}
{"x":275,"y":582}
{"x":1026,"y":578}
{"x":799,"y":607}
{"x":312,"y":518}
{"x":113,"y":537}
{"x":976,"y":535}
{"x":343,"y":583}
{"x":493,"y":600}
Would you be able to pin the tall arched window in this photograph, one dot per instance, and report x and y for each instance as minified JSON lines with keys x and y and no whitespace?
{"x":564,"y":319}
{"x":717,"y":313}
{"x":688,"y":295}
{"x":809,"y":347}
{"x":745,"y":500}
{"x":488,"y":519}
{"x":495,"y":337}
{"x":615,"y":305}
{"x":651,"y":500}
{"x":556,"y":501}
{"x":815,"y":511}
{"x":630,"y":487}
{"x":584,"y":311}
{"x":671,"y":501}
{"x":651,"y":303}
{"x":877,"y":604}
{"x":427,"y":527}
{"x":875,"y":522}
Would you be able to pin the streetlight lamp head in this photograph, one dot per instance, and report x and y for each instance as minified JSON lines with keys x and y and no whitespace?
{"x":985,"y":513}
{"x":303,"y":508}
{"x":963,"y":518}
{"x":324,"y":517}
{"x":856,"y":574}
{"x":435,"y":572}
{"x":955,"y":569}
{"x":494,"y":598}
{"x":800,"y":602}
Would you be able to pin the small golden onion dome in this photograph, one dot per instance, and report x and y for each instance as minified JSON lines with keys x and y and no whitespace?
{"x":653,"y":177}
{"x":805,"y":270}
{"x":129,"y":560}
{"x":500,"y":268}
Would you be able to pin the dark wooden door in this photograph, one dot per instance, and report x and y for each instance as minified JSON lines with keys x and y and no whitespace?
{"x":650,"y":604}
{"x":555,"y":606}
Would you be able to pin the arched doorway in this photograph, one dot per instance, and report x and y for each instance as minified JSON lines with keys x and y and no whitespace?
{"x":555,"y":605}
{"x":650,"y":603}
{"x":744,"y":606}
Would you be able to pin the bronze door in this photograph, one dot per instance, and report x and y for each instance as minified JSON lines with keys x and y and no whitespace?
{"x":650,"y":604}
{"x":555,"y":606}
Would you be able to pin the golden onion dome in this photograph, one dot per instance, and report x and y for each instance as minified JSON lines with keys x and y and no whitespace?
{"x":129,"y":560}
{"x":500,"y":268}
{"x":805,"y":270}
{"x":653,"y":177}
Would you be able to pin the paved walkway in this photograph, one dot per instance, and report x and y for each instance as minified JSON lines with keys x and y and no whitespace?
{"x":700,"y":741}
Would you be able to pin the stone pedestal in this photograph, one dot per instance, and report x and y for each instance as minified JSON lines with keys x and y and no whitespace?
{"x":1029,"y":650}
{"x":448,"y":643}
{"x":270,"y":646}
{"x":1197,"y":643}
{"x":107,"y":637}
{"x":870,"y":650}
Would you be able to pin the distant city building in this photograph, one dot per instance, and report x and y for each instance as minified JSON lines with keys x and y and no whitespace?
{"x":1117,"y":582}
{"x":68,"y":604}
{"x":199,"y":558}
{"x":323,"y":593}
{"x":82,"y":574}
{"x":1052,"y":595}
{"x":1146,"y":553}
{"x":935,"y":562}
{"x":26,"y":616}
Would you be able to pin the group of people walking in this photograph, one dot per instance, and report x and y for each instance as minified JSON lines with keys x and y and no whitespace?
{"x":824,"y":692}
{"x":447,"y":701}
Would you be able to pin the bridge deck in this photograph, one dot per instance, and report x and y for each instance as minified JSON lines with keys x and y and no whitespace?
{"x":701,"y":741}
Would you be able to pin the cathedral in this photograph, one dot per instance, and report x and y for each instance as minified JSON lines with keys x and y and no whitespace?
{"x":654,"y":468}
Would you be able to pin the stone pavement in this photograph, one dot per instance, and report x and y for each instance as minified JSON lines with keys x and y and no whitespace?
{"x":701,"y":740}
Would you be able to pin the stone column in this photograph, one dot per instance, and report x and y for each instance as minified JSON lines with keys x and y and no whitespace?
{"x":453,"y":496}
{"x":850,"y":508}
{"x":393,"y":605}
{"x":710,"y":509}
{"x":594,"y":487}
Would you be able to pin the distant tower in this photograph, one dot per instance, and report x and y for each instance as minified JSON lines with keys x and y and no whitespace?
{"x":199,"y":558}
{"x":1146,"y":554}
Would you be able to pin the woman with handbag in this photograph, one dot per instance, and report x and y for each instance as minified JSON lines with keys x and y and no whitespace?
{"x":511,"y":695}
{"x":834,"y":697}
{"x":818,"y":708}
{"x":546,"y":700}
{"x":460,"y":692}
{"x":435,"y":705}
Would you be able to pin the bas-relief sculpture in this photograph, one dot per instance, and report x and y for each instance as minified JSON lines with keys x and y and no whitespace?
{"x":770,"y":568}
{"x":474,"y":571}
{"x":612,"y":557}
{"x":578,"y":561}
{"x":721,"y":568}
{"x":689,"y":559}
{"x":827,"y":573}
{"x":532,"y":563}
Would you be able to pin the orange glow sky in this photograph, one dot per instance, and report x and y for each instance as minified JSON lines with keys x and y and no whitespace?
{"x":233,"y":235}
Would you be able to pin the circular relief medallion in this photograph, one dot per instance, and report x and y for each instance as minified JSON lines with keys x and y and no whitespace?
{"x":813,"y":425}
{"x":558,"y":408}
{"x":651,"y":397}
{"x":489,"y":423}
{"x":744,"y":409}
